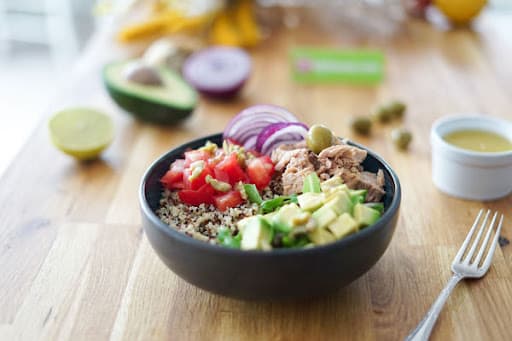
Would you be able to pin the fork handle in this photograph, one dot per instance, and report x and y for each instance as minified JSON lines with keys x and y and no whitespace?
{"x":424,"y":328}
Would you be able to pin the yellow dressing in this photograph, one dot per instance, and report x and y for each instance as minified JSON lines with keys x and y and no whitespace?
{"x":478,"y":140}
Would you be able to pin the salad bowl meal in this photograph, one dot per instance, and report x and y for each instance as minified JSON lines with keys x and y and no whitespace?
{"x":270,"y":209}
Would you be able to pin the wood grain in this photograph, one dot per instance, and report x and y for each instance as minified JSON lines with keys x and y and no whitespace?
{"x":76,"y":265}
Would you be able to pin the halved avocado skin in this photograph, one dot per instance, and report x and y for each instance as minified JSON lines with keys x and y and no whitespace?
{"x":146,"y":110}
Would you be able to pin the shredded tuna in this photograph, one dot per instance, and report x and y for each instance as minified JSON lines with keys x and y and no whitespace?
{"x":342,"y":160}
{"x":372,"y":182}
{"x":297,"y":169}
{"x":295,"y":162}
{"x":281,"y":157}
{"x":344,"y":152}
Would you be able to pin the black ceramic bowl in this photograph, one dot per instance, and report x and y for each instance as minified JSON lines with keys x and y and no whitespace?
{"x":276,"y":274}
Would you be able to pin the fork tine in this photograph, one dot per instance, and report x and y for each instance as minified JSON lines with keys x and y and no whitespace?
{"x":458,"y":257}
{"x":468,"y":257}
{"x":486,"y":239}
{"x":488,"y":258}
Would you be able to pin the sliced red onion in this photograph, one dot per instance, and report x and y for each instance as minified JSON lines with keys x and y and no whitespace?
{"x":246,"y":125}
{"x":281,"y":133}
{"x":269,"y":130}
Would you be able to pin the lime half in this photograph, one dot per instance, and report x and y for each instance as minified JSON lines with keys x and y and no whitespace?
{"x":81,"y":132}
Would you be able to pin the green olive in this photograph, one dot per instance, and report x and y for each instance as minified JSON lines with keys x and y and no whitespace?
{"x":397,"y":109}
{"x":319,"y":137}
{"x":382,"y":114}
{"x":401,"y":138}
{"x":361,"y":125}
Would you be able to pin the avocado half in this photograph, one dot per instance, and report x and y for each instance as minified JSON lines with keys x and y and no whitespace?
{"x":166,"y":104}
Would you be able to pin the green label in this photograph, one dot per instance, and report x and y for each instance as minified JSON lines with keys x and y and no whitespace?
{"x":334,"y":65}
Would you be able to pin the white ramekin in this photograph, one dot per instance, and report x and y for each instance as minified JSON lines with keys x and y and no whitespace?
{"x":466,"y":174}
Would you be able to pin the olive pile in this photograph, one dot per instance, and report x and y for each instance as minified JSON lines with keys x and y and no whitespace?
{"x":389,"y":111}
{"x":393,"y":110}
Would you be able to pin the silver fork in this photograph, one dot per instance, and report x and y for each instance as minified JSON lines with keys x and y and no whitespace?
{"x":462,"y":267}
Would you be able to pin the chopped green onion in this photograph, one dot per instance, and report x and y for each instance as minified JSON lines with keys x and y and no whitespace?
{"x":295,"y":241}
{"x":217,"y":184}
{"x":271,"y":205}
{"x":197,"y":168}
{"x":358,"y":196}
{"x":280,"y":227}
{"x":378,"y":206}
{"x":225,"y":238}
{"x":311,"y":184}
{"x":252,"y":193}
{"x":209,"y":147}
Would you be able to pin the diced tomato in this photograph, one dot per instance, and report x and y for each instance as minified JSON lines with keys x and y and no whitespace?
{"x":196,"y":155}
{"x":223,"y":168}
{"x":177,"y":185}
{"x":260,"y":171}
{"x":230,"y":199}
{"x":198,"y":181}
{"x":220,"y":175}
{"x":203,"y":195}
{"x":186,"y":175}
{"x":174,"y":176}
{"x":231,"y":167}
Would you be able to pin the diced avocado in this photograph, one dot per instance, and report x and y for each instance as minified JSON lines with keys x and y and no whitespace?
{"x":358,"y":195}
{"x":301,"y":219}
{"x":257,"y":235}
{"x":340,"y":203}
{"x":243,"y":222}
{"x":320,"y":236}
{"x":324,"y":216}
{"x":268,"y":217}
{"x":168,"y":103}
{"x":343,"y":226}
{"x":329,"y":192}
{"x":333,"y":182}
{"x":311,"y":201}
{"x":286,"y":216}
{"x":365,"y":215}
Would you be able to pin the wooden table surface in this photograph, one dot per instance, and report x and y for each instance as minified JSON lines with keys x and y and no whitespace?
{"x":75,"y":264}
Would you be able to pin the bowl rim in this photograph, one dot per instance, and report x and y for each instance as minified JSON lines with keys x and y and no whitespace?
{"x":192,"y":242}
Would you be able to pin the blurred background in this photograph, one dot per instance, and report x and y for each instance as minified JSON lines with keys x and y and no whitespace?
{"x":40,"y":41}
